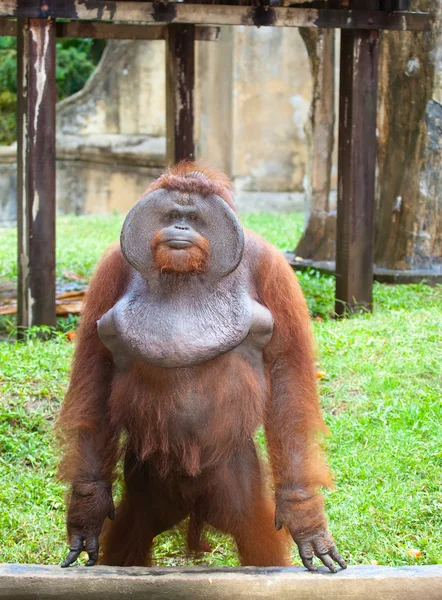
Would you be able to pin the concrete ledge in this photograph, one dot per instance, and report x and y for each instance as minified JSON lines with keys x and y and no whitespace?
{"x":198,"y":583}
{"x":382,"y":275}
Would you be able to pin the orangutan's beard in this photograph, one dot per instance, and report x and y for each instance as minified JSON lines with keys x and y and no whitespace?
{"x":190,"y":260}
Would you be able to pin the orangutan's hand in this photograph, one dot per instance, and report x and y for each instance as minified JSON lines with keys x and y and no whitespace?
{"x":89,"y":506}
{"x":304,"y":517}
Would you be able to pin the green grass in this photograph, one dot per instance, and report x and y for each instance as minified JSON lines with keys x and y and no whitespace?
{"x":382,"y":399}
{"x":81,"y":240}
{"x":80,"y":243}
{"x":381,"y":396}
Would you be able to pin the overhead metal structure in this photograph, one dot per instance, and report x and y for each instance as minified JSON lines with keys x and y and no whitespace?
{"x":37,"y":24}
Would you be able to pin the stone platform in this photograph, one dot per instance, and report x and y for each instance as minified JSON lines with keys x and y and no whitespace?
{"x":26,"y":582}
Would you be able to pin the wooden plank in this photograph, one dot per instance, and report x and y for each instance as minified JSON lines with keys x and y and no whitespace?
{"x":111,"y":31}
{"x":356,"y":170}
{"x":8,"y":27}
{"x":180,"y":84}
{"x":122,"y":31}
{"x":115,"y":31}
{"x":36,"y":172}
{"x":208,"y":14}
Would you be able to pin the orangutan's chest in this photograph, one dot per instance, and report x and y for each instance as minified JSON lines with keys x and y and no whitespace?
{"x":175,"y":332}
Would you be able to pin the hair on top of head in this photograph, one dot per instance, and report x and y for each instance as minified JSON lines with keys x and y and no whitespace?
{"x":194,"y":177}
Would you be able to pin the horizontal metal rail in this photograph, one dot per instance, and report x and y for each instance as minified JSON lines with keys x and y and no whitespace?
{"x":114,"y":31}
{"x":204,"y":14}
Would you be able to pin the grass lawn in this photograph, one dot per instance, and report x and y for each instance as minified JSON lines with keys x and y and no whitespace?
{"x":381,"y":395}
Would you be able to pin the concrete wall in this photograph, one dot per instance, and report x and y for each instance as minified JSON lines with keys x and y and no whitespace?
{"x":8,"y":185}
{"x":271,"y":94}
{"x":125,"y":95}
{"x":96,"y":174}
{"x":252,"y":98}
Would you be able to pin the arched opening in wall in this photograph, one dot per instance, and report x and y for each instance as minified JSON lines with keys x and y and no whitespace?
{"x":318,"y":242}
{"x":265,"y":113}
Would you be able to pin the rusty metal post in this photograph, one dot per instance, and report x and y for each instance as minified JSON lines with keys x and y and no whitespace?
{"x":356,"y":170}
{"x":180,"y":83}
{"x":36,"y":172}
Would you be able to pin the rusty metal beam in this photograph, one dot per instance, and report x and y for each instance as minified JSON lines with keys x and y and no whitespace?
{"x":123,"y":31}
{"x":356,"y":171}
{"x":209,"y":14}
{"x":114,"y":31}
{"x":180,"y":84}
{"x":8,"y":27}
{"x":36,"y":172}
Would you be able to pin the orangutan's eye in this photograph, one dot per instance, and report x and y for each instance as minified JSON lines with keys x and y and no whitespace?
{"x":193,"y":217}
{"x":174,"y":215}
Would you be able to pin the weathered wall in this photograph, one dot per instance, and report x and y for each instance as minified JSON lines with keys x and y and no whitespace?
{"x":214,"y":100}
{"x":125,"y":95}
{"x":96,"y":174}
{"x":252,"y":98}
{"x":272,"y":92}
{"x":250,"y":111}
{"x":8,"y":186}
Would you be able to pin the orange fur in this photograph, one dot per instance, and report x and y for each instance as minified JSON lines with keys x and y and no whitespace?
{"x":297,"y":459}
{"x":172,"y":472}
{"x":85,"y":408}
{"x":195,"y":178}
{"x":191,"y":260}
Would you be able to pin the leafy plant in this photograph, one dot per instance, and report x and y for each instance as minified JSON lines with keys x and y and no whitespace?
{"x":8,"y":89}
{"x":75,"y":63}
{"x":76,"y":59}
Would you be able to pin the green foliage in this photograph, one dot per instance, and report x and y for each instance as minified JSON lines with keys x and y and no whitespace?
{"x":8,"y":64}
{"x":319,"y":291}
{"x":76,"y":59}
{"x":381,"y":397}
{"x":8,"y":89}
{"x":75,"y":63}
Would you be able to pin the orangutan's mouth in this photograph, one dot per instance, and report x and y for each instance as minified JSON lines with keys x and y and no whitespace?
{"x":179,"y":244}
